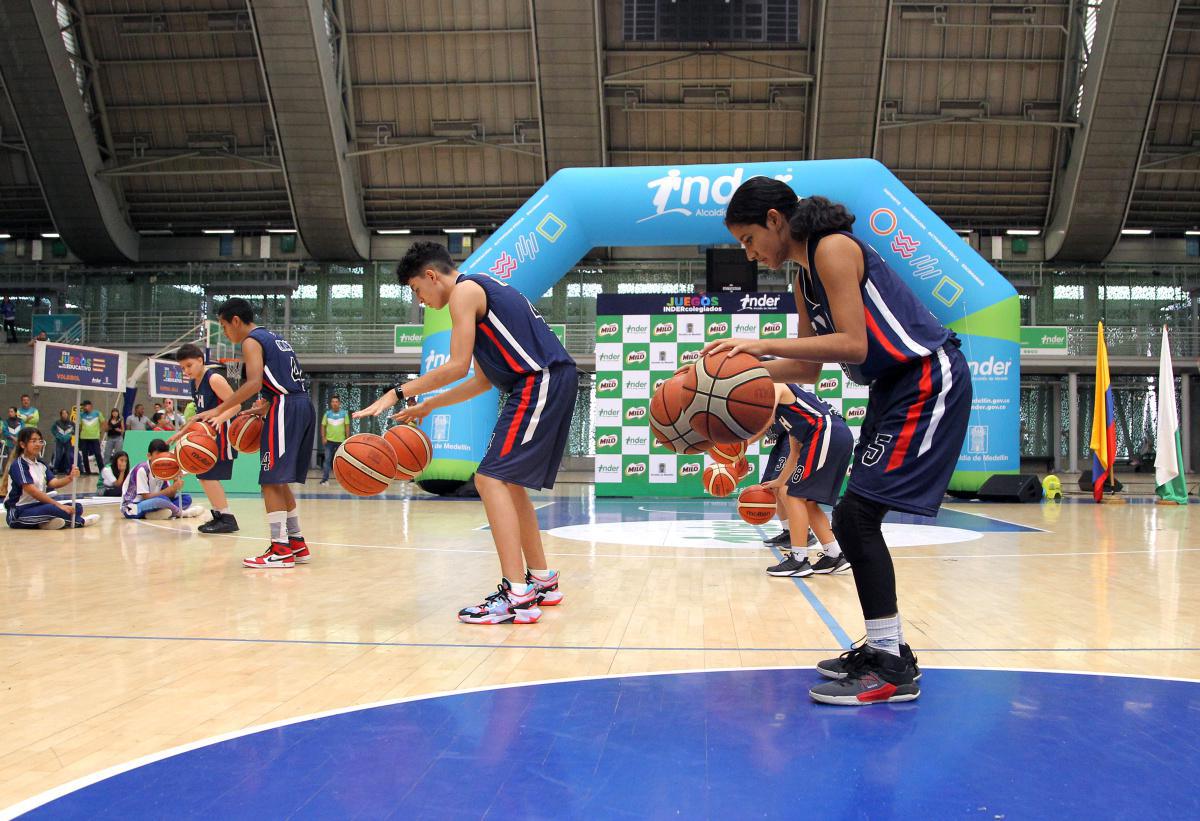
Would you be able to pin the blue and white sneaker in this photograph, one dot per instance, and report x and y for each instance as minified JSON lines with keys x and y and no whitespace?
{"x":504,"y":606}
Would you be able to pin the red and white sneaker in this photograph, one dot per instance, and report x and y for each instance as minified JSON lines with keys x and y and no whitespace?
{"x":547,"y":589}
{"x":504,"y":606}
{"x":300,"y":552}
{"x":277,"y":555}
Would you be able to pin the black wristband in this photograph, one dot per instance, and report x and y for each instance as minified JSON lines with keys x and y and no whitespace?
{"x":401,"y":399}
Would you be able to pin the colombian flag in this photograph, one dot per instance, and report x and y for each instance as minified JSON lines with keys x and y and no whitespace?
{"x":1104,"y":428}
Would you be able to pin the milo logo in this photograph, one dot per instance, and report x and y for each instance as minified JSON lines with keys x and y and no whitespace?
{"x":634,"y":357}
{"x":608,"y":440}
{"x":635,"y":468}
{"x":828,"y":384}
{"x":718,"y":328}
{"x":607,"y":385}
{"x":608,"y":329}
{"x":689,"y":357}
{"x":658,"y":384}
{"x":689,"y":469}
{"x":664,"y":329}
{"x":855,"y":413}
{"x":636,"y":412}
{"x":772,"y":328}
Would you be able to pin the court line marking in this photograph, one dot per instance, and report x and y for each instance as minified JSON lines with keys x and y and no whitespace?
{"x":839,"y":635}
{"x":997,"y":519}
{"x":578,"y":647}
{"x":9,"y":813}
{"x":592,"y":555}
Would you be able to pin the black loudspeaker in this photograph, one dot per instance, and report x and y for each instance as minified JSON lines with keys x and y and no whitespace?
{"x":727,"y":269}
{"x":1085,"y":483}
{"x":1011,"y":488}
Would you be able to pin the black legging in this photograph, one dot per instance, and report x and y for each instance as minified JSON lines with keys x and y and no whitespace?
{"x":857,"y":524}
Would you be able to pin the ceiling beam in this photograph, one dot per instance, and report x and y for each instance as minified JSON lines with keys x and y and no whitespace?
{"x":849,"y":78}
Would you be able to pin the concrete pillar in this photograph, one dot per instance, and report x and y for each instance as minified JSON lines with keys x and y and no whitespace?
{"x":1056,"y":425}
{"x":1185,"y":420}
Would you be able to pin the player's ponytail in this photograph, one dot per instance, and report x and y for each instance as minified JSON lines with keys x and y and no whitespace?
{"x":818,"y":215}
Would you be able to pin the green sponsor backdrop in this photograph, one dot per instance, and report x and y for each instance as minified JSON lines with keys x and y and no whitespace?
{"x":628,"y":460}
{"x":1044,"y":340}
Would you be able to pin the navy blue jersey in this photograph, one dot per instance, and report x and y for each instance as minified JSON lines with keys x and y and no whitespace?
{"x":206,"y":399}
{"x":900,"y":329}
{"x":282,"y":374}
{"x":805,"y":416}
{"x":512,"y":340}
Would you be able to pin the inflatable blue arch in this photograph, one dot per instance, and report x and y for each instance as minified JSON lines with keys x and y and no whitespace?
{"x":582,"y":208}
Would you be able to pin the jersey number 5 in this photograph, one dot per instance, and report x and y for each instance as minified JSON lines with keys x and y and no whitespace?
{"x":874,"y":451}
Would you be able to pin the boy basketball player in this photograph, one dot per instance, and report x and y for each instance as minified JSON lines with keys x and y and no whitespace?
{"x":516,"y":351}
{"x":811,"y":475}
{"x":210,"y":389}
{"x":289,"y":424}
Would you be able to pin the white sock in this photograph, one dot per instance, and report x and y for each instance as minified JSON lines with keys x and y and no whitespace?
{"x":520,"y":589}
{"x":293,"y":524}
{"x":832,"y":550}
{"x":784,"y":524}
{"x":541,"y":574}
{"x":277,"y":522}
{"x":884,"y":634}
{"x":224,"y":511}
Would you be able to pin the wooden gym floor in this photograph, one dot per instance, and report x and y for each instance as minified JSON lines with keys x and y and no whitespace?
{"x":130,"y":638}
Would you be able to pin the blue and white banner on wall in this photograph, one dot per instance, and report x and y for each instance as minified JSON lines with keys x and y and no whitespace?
{"x":168,"y":381}
{"x":58,"y":365}
{"x":582,"y":208}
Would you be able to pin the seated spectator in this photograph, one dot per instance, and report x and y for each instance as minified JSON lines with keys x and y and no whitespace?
{"x":145,"y":496}
{"x":26,"y":487}
{"x":160,"y":422}
{"x":138,"y":420}
{"x":112,"y":478}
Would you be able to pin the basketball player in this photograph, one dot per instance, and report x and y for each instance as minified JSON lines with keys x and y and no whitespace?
{"x":516,"y":351}
{"x":209,"y":389}
{"x":811,"y":475}
{"x":856,"y":311}
{"x":271,"y":368}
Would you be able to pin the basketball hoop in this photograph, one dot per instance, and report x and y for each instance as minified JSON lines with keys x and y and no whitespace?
{"x":233,"y":371}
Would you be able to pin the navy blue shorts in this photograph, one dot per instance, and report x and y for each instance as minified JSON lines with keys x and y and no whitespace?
{"x":776,"y":458}
{"x":531,"y":434}
{"x":287,"y":440}
{"x":913,"y":433}
{"x":822,"y":463}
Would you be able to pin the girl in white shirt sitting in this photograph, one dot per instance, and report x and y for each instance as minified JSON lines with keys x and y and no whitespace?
{"x":26,"y":483}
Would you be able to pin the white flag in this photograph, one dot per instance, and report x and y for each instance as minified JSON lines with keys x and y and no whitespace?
{"x":1167,"y":458}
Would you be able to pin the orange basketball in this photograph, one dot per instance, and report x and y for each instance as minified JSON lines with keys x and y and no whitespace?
{"x":731,"y":398}
{"x":413,"y":450}
{"x":718,"y":481}
{"x":741,"y":468}
{"x":728,"y":454}
{"x":198,"y":426}
{"x":365,"y":464}
{"x":667,"y":422}
{"x":756,"y":505}
{"x":245,"y":432}
{"x":197,"y":452}
{"x":165,"y":466}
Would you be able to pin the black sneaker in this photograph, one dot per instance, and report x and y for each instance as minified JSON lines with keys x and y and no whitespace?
{"x":784,"y":538}
{"x":221,"y":523}
{"x":828,"y":564}
{"x":791,"y":566}
{"x":852,"y":659}
{"x":877,"y":677}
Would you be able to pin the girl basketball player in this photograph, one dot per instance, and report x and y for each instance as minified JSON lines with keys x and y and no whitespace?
{"x":856,"y":310}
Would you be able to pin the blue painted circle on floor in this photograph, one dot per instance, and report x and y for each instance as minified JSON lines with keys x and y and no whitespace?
{"x":738,"y":744}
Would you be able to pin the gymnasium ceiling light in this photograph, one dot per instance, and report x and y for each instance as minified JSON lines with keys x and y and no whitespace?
{"x":389,"y":231}
{"x":216,"y":230}
{"x":9,"y":236}
{"x":1023,"y":232}
{"x":1136,"y":232}
{"x":1185,"y":233}
{"x":281,"y":230}
{"x":49,"y":235}
{"x":155,"y":232}
{"x":458,"y":230}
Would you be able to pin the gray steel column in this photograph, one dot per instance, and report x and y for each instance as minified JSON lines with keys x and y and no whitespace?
{"x":849,"y":78}
{"x":567,"y":43}
{"x":1119,"y":86}
{"x":1056,"y":428}
{"x":63,"y":148}
{"x":1185,"y":420}
{"x":300,"y":62}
